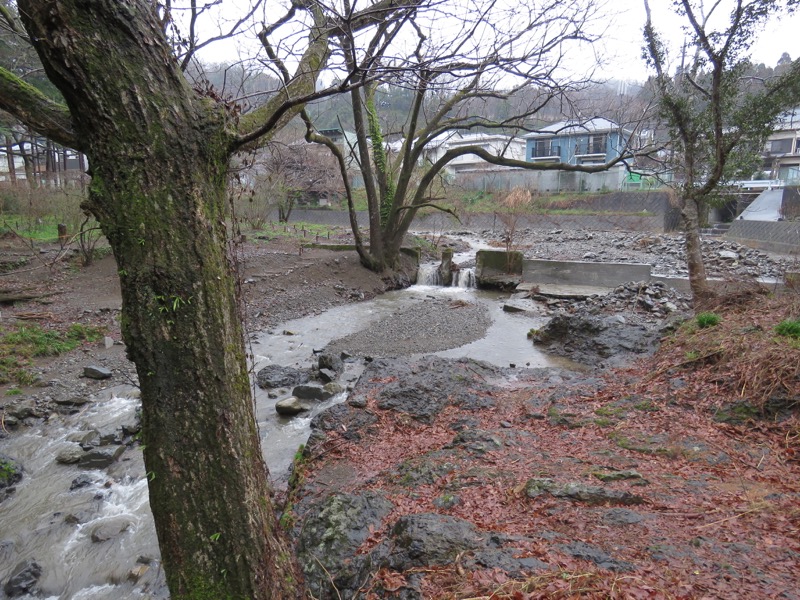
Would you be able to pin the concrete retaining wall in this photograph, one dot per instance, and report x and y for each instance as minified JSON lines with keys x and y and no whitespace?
{"x":780,"y":236}
{"x":565,"y":272}
{"x":477,"y":222}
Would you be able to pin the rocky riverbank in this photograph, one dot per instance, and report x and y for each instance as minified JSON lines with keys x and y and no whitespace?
{"x":443,"y":478}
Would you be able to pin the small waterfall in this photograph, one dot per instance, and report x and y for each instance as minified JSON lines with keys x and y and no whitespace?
{"x":464,"y":278}
{"x":428,"y":274}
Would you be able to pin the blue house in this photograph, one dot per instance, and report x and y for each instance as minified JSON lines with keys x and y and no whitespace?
{"x":593,"y":141}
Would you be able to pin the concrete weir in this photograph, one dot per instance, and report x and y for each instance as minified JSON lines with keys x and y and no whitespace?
{"x":558,"y":278}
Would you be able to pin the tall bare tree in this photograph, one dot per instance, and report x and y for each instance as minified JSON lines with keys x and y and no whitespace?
{"x":158,"y":151}
{"x":715,"y":112}
{"x":494,"y":53}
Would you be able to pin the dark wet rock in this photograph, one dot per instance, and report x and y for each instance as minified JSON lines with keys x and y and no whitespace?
{"x":10,"y":476}
{"x":589,"y":494}
{"x":342,"y":418}
{"x":312,"y":391}
{"x":72,"y":401}
{"x":428,"y":539}
{"x":69,"y":454}
{"x":96,"y":372}
{"x":109,"y":529}
{"x":81,"y":481}
{"x":424,"y":470}
{"x":100,"y":458}
{"x":327,"y":375}
{"x":422,"y":388}
{"x":447,"y":501}
{"x":330,"y":362}
{"x":617,"y":475}
{"x":506,"y":560}
{"x":330,"y":534}
{"x":276,"y":376}
{"x":621,"y":516}
{"x":594,"y":554}
{"x":477,"y":441}
{"x":23,"y":408}
{"x":23,"y":579}
{"x":586,"y":339}
{"x":288,"y":407}
{"x":110,"y":437}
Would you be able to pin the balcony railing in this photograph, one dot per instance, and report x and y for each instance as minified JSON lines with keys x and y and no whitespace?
{"x":546,"y":151}
{"x":591,"y":148}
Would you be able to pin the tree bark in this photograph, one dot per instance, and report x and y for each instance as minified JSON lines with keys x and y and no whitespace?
{"x":690,"y":216}
{"x":12,"y":167}
{"x":158,"y":156}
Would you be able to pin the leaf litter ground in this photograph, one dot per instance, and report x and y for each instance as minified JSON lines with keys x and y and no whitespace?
{"x":698,"y":445}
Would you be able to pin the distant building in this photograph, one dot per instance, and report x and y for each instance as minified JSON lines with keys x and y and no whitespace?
{"x":493,"y":143}
{"x":782,"y":154}
{"x":589,"y":142}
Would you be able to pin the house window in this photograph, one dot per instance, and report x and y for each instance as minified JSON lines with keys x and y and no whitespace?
{"x":597,"y":144}
{"x":544,"y":148}
{"x":781,"y":146}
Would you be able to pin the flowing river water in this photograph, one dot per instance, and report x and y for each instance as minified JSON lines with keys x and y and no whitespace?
{"x":98,"y":540}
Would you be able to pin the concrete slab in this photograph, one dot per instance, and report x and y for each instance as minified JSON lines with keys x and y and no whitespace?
{"x":581,"y":273}
{"x":575,"y":292}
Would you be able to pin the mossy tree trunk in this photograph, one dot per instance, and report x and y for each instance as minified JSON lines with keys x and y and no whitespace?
{"x":158,"y":155}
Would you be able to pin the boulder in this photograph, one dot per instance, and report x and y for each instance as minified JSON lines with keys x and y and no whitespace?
{"x":109,"y":529}
{"x":72,"y":401}
{"x":596,"y":555}
{"x":332,"y":532}
{"x":327,"y":375}
{"x":331,"y":361}
{"x":276,"y":376}
{"x":312,"y":391}
{"x":95,"y":372}
{"x":590,"y":494}
{"x":23,"y":579}
{"x":100,"y":458}
{"x":22,"y":409}
{"x":288,"y":407}
{"x":69,"y":454}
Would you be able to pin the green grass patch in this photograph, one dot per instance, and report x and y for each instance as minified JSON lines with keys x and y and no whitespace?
{"x":707,"y":319}
{"x":18,"y":345}
{"x":789,"y":328}
{"x":299,"y":230}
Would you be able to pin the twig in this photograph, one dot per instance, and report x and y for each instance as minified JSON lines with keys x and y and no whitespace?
{"x":730,"y":518}
{"x":330,"y":578}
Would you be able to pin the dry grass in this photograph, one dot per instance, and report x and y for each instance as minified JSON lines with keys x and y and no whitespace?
{"x":743,"y":352}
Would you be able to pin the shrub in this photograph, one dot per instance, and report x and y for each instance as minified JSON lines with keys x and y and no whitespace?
{"x":708,"y":319}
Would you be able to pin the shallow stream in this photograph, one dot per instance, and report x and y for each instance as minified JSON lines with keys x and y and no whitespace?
{"x":46,"y":521}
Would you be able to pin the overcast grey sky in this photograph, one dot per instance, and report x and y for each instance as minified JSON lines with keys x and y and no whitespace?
{"x":620,"y":48}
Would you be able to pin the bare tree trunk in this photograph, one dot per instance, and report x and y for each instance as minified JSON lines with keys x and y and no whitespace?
{"x":27,"y":162}
{"x":694,"y":251}
{"x":12,"y":168}
{"x":82,"y":169}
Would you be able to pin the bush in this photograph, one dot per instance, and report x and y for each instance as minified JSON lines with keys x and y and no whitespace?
{"x":708,"y":319}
